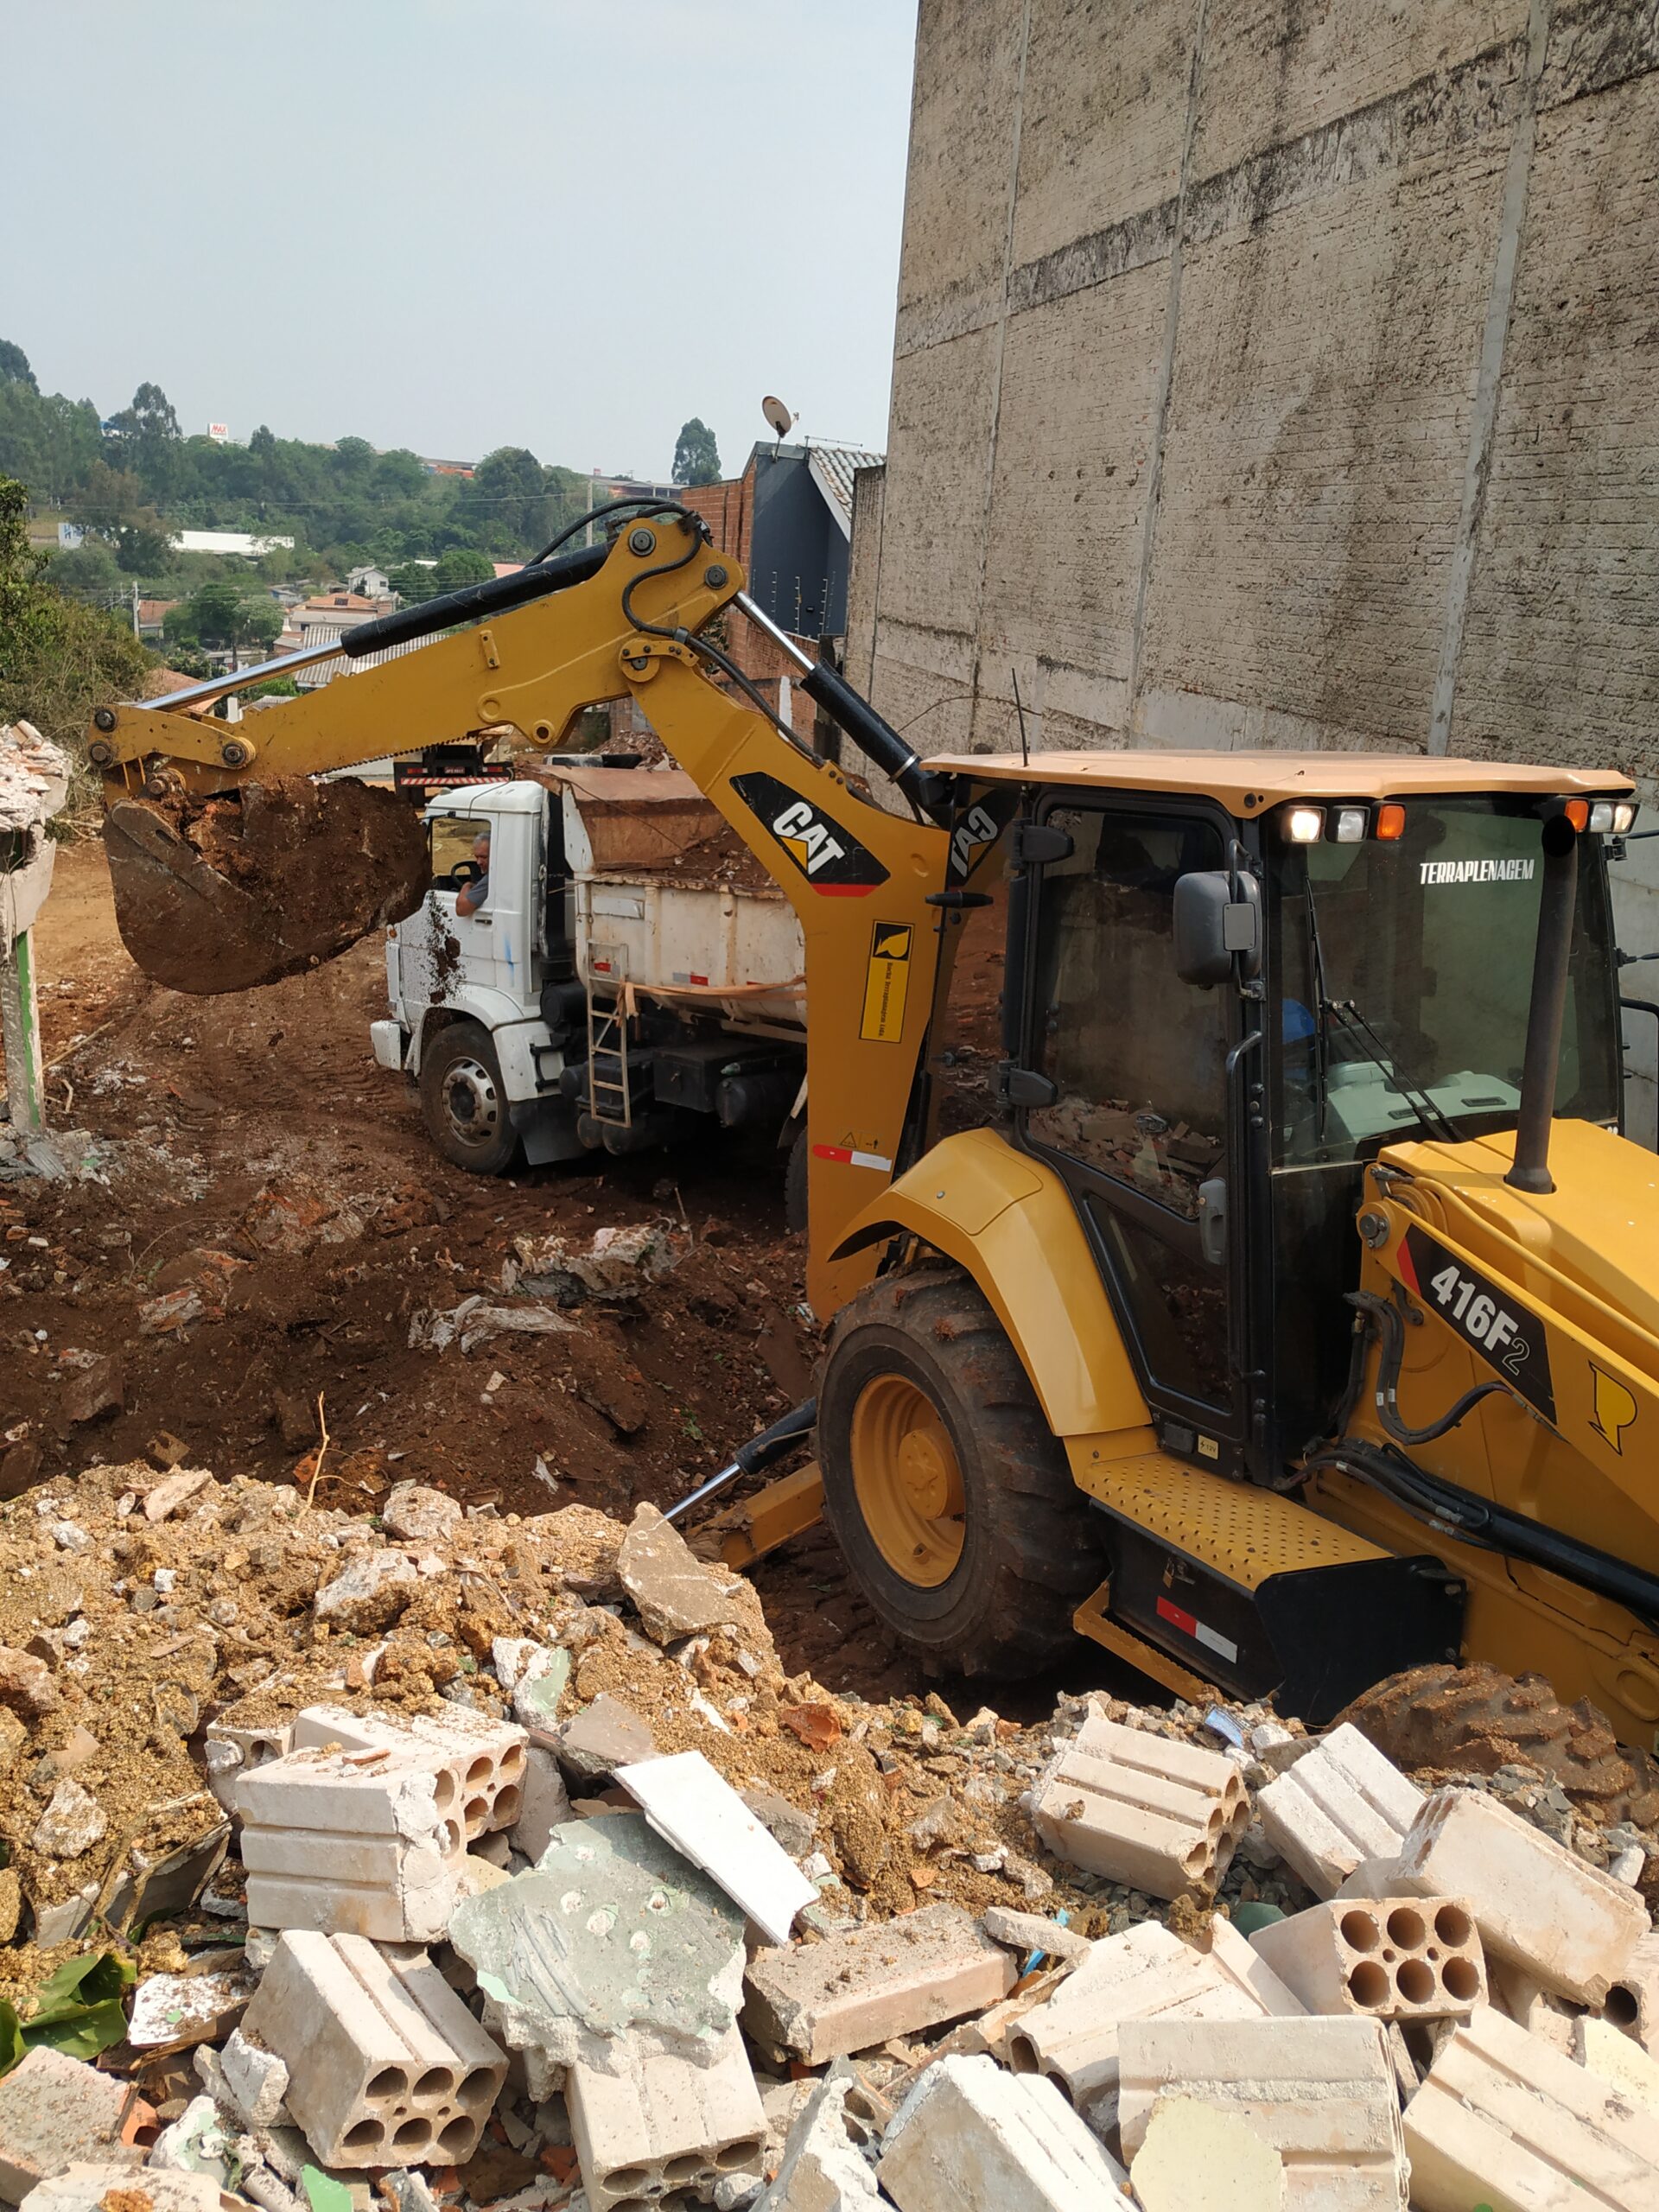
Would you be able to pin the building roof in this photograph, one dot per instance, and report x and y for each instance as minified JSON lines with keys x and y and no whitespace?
{"x":152,"y":610}
{"x":1247,"y":783}
{"x":506,"y":568}
{"x":350,"y":602}
{"x":323,"y":672}
{"x":833,"y":468}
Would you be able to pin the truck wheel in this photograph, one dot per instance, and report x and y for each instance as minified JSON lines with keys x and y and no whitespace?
{"x":463,"y":1101}
{"x":950,"y":1497}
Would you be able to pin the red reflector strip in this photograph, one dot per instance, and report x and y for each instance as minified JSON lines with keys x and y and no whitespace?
{"x":601,"y":967}
{"x":844,"y":1157}
{"x":699,"y":979}
{"x":1195,"y":1629}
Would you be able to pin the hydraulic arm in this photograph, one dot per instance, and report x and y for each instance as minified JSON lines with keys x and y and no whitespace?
{"x":230,"y":869}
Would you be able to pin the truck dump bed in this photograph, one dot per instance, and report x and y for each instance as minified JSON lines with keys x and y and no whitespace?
{"x":670,"y":904}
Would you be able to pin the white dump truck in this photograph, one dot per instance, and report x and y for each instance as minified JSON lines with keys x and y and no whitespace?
{"x":629,"y":969}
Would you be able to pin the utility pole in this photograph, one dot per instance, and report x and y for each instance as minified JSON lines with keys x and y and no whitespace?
{"x":136,"y":630}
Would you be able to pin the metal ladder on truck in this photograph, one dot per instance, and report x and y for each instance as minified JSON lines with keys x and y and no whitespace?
{"x":610,"y":1098}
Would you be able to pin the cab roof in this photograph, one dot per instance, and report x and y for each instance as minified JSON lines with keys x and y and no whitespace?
{"x":1249,"y":783}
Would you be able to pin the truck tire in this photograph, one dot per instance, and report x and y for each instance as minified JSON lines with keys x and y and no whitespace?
{"x":463,"y":1101}
{"x":950,"y":1497}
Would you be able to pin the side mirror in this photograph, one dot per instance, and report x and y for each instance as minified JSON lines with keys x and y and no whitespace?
{"x":1211,"y":926}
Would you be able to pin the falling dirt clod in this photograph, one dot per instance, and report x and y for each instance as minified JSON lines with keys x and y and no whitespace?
{"x":245,"y":887}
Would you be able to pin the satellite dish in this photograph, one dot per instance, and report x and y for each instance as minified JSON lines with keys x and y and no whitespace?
{"x":779,"y":421}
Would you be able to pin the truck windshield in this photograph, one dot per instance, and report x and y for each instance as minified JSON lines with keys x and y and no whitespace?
{"x":1401,"y":974}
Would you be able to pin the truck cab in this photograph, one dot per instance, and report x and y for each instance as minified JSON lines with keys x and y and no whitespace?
{"x":597,"y":965}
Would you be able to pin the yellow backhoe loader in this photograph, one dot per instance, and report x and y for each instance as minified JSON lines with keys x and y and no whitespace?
{"x":1216,"y":1166}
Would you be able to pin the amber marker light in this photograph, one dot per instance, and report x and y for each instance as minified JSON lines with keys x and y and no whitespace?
{"x":1390,"y":822}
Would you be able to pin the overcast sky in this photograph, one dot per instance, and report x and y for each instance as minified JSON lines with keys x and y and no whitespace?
{"x":453,"y":225}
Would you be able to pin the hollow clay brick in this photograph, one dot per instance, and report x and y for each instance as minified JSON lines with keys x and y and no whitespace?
{"x":1341,"y":1804}
{"x":1391,"y":1958}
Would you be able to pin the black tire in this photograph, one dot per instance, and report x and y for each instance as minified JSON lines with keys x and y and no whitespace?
{"x":795,"y":1187}
{"x":1028,"y":1550}
{"x":463,"y":1102}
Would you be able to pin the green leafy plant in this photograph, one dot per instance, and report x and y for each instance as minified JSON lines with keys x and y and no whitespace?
{"x":78,"y":2010}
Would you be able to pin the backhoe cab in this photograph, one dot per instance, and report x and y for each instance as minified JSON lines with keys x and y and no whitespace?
{"x":1214,"y":1161}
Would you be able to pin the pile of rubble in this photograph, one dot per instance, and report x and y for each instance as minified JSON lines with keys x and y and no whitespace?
{"x":489,"y":1861}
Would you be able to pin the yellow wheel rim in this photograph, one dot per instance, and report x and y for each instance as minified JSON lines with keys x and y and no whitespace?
{"x":907,"y":1481}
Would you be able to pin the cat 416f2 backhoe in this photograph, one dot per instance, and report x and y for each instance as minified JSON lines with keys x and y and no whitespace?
{"x":1216,"y":1174}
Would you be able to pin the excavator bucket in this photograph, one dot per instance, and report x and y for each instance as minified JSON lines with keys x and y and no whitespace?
{"x":243,"y":887}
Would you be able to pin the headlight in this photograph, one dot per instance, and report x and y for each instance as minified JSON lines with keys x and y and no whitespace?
{"x":1305,"y":825}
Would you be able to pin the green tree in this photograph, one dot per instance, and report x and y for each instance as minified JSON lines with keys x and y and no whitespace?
{"x":412,"y":583}
{"x":59,"y":660}
{"x":224,"y":615}
{"x":88,"y":572}
{"x":14,"y":366}
{"x":697,"y":457}
{"x":462,"y":564}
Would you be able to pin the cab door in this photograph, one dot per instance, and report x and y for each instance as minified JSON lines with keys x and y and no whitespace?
{"x":1127,"y":1086}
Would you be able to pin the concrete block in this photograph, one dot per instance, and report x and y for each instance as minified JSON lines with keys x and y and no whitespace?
{"x":1503,"y":2119}
{"x":673,"y":1591}
{"x":969,"y":2136}
{"x":362,"y":1842}
{"x":822,"y":2170}
{"x":89,"y":2187}
{"x":1391,"y":1958}
{"x":1320,"y":2091}
{"x":1605,"y":2051}
{"x":1164,"y":1816}
{"x":386,"y":2066}
{"x":1145,"y":1974}
{"x":891,"y":1979}
{"x":663,"y":2123}
{"x":1199,"y":2158}
{"x":544,"y":1805}
{"x":1342,"y":1802}
{"x":53,"y":2110}
{"x":484,"y":1758}
{"x":1570,"y":1926}
{"x":695,"y":1809}
{"x":1632,"y":2002}
{"x":604,"y":1736}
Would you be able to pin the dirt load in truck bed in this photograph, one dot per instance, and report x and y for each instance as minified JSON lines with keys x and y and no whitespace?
{"x":246,"y":887}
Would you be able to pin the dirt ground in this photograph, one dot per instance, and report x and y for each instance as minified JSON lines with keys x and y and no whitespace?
{"x":261,"y":1168}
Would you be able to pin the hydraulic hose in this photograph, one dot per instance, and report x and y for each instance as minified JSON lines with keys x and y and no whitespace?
{"x":1390,"y":1327}
{"x":1493,"y":1528}
{"x":474,"y":602}
{"x":751,"y":1458}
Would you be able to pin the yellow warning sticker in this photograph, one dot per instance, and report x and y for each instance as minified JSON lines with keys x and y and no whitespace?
{"x":886,"y":985}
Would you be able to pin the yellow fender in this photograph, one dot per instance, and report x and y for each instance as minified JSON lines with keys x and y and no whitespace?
{"x":1009,"y":1221}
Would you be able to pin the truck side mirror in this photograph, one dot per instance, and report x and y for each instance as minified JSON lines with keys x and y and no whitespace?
{"x":1211,"y":927}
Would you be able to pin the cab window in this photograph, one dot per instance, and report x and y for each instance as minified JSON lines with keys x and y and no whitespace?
{"x":451,"y":839}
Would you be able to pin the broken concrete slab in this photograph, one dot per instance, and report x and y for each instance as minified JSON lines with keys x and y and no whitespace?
{"x":544,"y":1806}
{"x":1199,"y":2158}
{"x":1137,"y":1808}
{"x":250,"y":2081}
{"x":611,"y":1930}
{"x":822,"y":2170}
{"x":661,"y":2122}
{"x":969,"y":2137}
{"x":1538,"y":1905}
{"x":787,"y":1824}
{"x":538,"y":1686}
{"x":415,"y":1513}
{"x":88,"y":2186}
{"x":1025,"y":1932}
{"x":1504,"y":2120}
{"x":699,"y":1812}
{"x":54,"y":2109}
{"x":384,"y":2060}
{"x":1395,"y":1959}
{"x":1146,"y":1973}
{"x":171,"y":1496}
{"x":368,"y":1595}
{"x":1320,"y":2091}
{"x":72,"y":1822}
{"x":673,"y":1593}
{"x":894,"y":1977}
{"x":601,"y":1737}
{"x":1340,"y":1803}
{"x":181,"y":2009}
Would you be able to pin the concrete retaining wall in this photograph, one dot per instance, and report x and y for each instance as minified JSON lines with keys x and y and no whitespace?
{"x":1279,"y":371}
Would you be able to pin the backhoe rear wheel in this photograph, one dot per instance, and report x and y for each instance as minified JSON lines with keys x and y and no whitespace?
{"x":950,"y":1497}
{"x":463,"y":1101}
